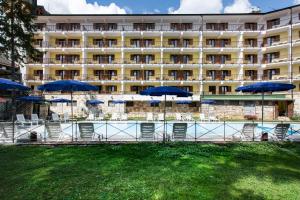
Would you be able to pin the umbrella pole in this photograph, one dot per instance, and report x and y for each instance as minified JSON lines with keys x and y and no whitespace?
{"x":164,"y":133}
{"x":72,"y":113}
{"x":262,"y":109}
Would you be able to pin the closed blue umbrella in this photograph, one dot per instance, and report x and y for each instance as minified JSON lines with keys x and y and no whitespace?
{"x":68,"y":86}
{"x":265,"y":87}
{"x":164,"y":91}
{"x":118,"y":101}
{"x":208,"y":102}
{"x":61,"y":100}
{"x":94,"y":102}
{"x":184,"y":102}
{"x":6,"y":84}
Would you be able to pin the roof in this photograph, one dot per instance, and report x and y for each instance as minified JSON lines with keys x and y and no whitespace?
{"x":200,"y":14}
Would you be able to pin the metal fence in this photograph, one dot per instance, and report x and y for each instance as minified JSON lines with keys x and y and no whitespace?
{"x":132,"y":131}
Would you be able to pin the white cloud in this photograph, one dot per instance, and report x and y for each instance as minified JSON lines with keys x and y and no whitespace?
{"x":80,"y":7}
{"x":197,"y":6}
{"x":240,"y":6}
{"x":296,"y":1}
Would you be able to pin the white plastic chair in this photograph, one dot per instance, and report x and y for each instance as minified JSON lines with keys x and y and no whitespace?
{"x":160,"y":117}
{"x":101,"y":116}
{"x":55,"y":117}
{"x":66,"y":117}
{"x":91,"y":117}
{"x":189,"y":117}
{"x":35,"y":119}
{"x":202,"y":117}
{"x":115,"y":116}
{"x":124,"y":117}
{"x":178,"y":116}
{"x":150,"y":117}
{"x":213,"y":119}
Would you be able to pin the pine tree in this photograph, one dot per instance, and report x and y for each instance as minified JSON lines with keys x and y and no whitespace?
{"x":16,"y":31}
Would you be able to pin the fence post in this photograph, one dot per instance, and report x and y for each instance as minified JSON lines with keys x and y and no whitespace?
{"x":76,"y":138}
{"x":195,"y":131}
{"x":45,"y":131}
{"x":106,"y":130}
{"x":253,"y":139}
{"x":136,"y":130}
{"x":224,"y":131}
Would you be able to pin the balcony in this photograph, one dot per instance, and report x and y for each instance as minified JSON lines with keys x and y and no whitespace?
{"x":141,"y":61}
{"x":167,"y":77}
{"x":55,"y":61}
{"x":181,"y":44}
{"x":275,"y":60}
{"x":102,"y":61}
{"x":130,"y":77}
{"x":216,"y":61}
{"x":141,"y":44}
{"x":220,"y":77}
{"x":181,"y":61}
{"x":30,"y":77}
{"x":103,"y":45}
{"x":275,"y":77}
{"x":102,"y":77}
{"x":57,"y":77}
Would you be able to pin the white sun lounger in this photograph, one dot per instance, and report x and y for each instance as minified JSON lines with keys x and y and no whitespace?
{"x":150,"y":117}
{"x":35,"y":119}
{"x":21,"y":119}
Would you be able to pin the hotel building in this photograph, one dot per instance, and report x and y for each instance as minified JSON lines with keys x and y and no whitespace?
{"x":209,"y":55}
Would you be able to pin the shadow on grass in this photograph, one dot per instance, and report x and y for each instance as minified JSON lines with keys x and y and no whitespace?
{"x":151,"y":171}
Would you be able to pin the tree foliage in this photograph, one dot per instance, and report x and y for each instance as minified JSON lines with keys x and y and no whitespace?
{"x":17,"y":30}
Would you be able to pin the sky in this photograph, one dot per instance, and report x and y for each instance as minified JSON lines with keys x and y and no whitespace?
{"x":162,"y":6}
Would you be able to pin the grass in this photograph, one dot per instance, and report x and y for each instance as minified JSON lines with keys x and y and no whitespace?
{"x":151,"y":171}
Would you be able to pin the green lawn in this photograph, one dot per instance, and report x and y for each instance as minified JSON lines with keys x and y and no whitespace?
{"x":151,"y":171}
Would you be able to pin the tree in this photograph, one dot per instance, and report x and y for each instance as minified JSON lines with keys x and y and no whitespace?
{"x":16,"y":31}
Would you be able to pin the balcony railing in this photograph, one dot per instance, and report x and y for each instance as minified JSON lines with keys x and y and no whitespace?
{"x":275,"y":60}
{"x":216,"y":61}
{"x":102,"y":61}
{"x":156,"y":27}
{"x":102,"y":77}
{"x":190,"y":61}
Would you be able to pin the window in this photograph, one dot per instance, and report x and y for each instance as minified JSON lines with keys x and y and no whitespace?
{"x":250,"y":42}
{"x":168,"y":104}
{"x":105,"y":26}
{"x":129,"y":103}
{"x":181,"y":26}
{"x":143,"y":26}
{"x":224,"y":89}
{"x":217,"y":26}
{"x":270,"y":57}
{"x":40,"y":26}
{"x":251,"y":58}
{"x":251,"y":26}
{"x":273,"y":23}
{"x":193,"y":105}
{"x":269,"y":41}
{"x":269,"y":73}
